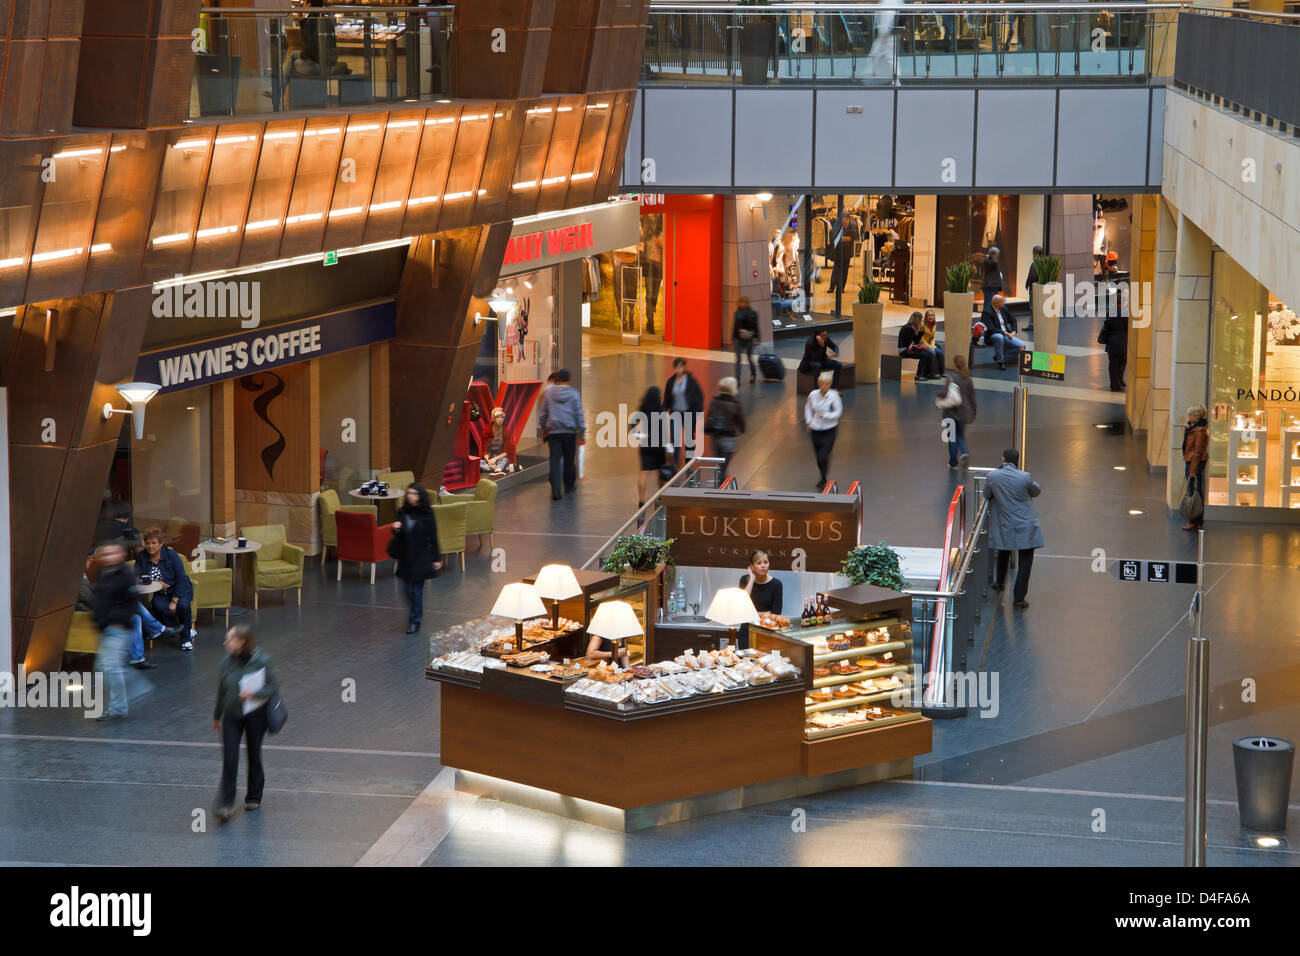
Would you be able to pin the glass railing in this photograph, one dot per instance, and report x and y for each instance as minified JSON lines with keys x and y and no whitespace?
{"x":889,"y":45}
{"x":267,"y":61}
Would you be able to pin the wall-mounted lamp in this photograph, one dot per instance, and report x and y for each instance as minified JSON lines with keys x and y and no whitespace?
{"x":137,"y":395}
{"x":763,"y":197}
{"x":501,"y":304}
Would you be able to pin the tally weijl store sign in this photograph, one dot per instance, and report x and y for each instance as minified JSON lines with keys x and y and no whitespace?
{"x":538,"y":242}
{"x":203,"y":363}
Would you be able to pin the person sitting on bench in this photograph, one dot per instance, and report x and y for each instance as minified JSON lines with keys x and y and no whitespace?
{"x":819,"y":355}
{"x":1000,"y":329}
{"x":911,"y":344}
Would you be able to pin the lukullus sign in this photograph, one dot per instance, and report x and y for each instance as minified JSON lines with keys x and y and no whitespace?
{"x":203,"y":363}
{"x":719,"y":529}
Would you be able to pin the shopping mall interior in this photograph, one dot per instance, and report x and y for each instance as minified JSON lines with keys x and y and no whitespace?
{"x":265,"y":266}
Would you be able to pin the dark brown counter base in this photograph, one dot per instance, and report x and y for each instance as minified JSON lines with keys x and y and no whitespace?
{"x":642,"y":773}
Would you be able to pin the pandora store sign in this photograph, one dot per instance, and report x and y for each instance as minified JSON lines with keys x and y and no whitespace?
{"x":720,"y":528}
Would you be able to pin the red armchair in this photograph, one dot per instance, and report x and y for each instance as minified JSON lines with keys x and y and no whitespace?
{"x":361,"y":540}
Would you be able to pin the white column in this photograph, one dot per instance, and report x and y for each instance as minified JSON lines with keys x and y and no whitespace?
{"x":1190,"y":341}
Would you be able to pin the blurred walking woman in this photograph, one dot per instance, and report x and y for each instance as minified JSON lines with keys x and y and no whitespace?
{"x":415,"y":546}
{"x":649,"y":435}
{"x":245,"y":683}
{"x":821,"y":413}
{"x":1196,"y":452}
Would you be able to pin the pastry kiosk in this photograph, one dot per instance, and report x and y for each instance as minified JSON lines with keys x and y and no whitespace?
{"x":528,"y":718}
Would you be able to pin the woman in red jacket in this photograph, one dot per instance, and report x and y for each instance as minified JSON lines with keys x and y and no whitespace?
{"x":1196,"y":452}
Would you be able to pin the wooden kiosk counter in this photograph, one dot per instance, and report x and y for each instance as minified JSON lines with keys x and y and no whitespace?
{"x":801,"y":710}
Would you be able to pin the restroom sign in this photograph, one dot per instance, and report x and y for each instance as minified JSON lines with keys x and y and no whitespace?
{"x":1156,"y":572}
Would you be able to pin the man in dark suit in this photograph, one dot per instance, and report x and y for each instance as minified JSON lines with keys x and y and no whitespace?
{"x":1000,"y":329}
{"x":841,"y":257}
{"x":819,"y":355}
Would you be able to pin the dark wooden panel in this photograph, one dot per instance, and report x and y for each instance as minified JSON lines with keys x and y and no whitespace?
{"x":171,"y":73}
{"x":115,"y":104}
{"x":67,"y":18}
{"x":488,"y":14}
{"x":20,"y":105}
{"x":867,"y":747}
{"x":31,"y":18}
{"x":622,"y":764}
{"x":60,"y":79}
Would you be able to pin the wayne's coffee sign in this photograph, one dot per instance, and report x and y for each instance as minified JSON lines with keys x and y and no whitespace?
{"x":719,"y":529}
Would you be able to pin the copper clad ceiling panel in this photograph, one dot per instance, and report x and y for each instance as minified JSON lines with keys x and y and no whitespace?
{"x":225,"y":200}
{"x":526,"y":184}
{"x":346,"y":223}
{"x":313,"y":185}
{"x":393,"y":177}
{"x":180,"y":198}
{"x":67,"y":217}
{"x":125,"y":210}
{"x":20,"y":196}
{"x":272,"y":187}
{"x":424,"y":206}
{"x":467,"y":160}
{"x":493,"y":201}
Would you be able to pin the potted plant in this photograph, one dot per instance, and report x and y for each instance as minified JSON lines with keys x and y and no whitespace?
{"x":638,"y":554}
{"x":1045,"y":302}
{"x":958,"y":304}
{"x":757,"y":44}
{"x":875,"y":564}
{"x":868,"y":318}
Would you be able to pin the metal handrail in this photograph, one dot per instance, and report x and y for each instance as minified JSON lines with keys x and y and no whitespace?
{"x":648,"y":509}
{"x":909,"y":8}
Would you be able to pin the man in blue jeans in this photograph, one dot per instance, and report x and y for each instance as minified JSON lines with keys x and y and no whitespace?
{"x":143,"y":622}
{"x":1000,"y":329}
{"x":115,"y":607}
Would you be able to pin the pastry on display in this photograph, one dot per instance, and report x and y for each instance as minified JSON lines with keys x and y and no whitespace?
{"x":820,"y":696}
{"x":839,"y":644}
{"x":565,"y":671}
{"x":845,"y":692}
{"x":525,"y":659}
{"x":880,"y":636}
{"x":845,"y":667}
{"x":858,"y":639}
{"x":646,"y":670}
{"x":821,"y":670}
{"x":773,"y":621}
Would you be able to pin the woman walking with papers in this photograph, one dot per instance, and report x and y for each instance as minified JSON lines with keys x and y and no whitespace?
{"x":246,"y":683}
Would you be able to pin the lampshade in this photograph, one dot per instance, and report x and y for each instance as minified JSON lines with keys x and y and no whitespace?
{"x":501,"y":304}
{"x":614,"y":620}
{"x":138,"y":393}
{"x":557,"y":582}
{"x":518,"y":601}
{"x":732,"y":607}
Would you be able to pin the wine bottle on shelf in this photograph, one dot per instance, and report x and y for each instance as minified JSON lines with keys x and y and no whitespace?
{"x":806,"y":619}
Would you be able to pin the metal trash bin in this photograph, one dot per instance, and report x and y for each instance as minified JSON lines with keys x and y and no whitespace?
{"x":1262,"y":766}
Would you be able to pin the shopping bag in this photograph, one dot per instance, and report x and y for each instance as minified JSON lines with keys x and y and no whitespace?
{"x":582,"y":456}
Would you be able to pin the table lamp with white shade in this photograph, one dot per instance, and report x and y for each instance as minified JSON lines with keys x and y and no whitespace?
{"x":521,"y":602}
{"x":556,"y":583}
{"x":615,"y":621}
{"x":732,"y":607}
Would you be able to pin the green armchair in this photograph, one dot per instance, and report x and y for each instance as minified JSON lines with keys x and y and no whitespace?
{"x":481,"y":509}
{"x":398,"y":480}
{"x":329,"y":506}
{"x":452,"y":519}
{"x":213,"y":588}
{"x":277,"y":565}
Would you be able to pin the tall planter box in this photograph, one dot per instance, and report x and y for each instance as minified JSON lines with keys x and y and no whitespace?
{"x":868,"y":319}
{"x":757,"y":47}
{"x":957,"y":309}
{"x":1047,"y":328}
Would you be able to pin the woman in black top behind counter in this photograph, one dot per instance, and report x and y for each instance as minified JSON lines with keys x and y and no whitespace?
{"x":763,"y":589}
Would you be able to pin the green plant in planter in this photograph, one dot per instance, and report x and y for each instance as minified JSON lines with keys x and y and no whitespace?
{"x":874,"y":564}
{"x":641,"y":551}
{"x":869,"y":291}
{"x":1048,"y":268}
{"x":958,"y":276}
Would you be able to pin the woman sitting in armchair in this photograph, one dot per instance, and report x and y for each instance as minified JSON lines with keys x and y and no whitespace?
{"x":171,"y":604}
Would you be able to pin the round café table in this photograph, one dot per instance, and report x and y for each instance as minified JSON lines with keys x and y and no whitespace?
{"x":228,"y":548}
{"x":380,"y":510}
{"x":153,"y":587}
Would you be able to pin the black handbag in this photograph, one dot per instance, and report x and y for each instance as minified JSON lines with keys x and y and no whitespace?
{"x":276,"y":713}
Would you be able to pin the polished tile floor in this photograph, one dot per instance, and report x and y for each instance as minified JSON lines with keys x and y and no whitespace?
{"x":1091,"y":675}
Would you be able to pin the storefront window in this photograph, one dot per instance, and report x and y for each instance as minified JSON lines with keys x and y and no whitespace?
{"x":625,"y":286}
{"x":170,"y":469}
{"x":1254,"y":377}
{"x":345,"y":420}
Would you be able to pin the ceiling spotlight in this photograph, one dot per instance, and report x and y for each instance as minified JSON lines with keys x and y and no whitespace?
{"x":763,"y":197}
{"x":1136,"y":511}
{"x":1119,"y":467}
{"x":1267,"y":842}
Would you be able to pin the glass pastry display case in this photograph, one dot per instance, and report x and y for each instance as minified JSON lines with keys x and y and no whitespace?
{"x":1291,"y":463}
{"x":860,"y":657}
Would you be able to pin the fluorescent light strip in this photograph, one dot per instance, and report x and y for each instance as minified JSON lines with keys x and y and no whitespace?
{"x":349,"y":211}
{"x":539,"y":109}
{"x":231,"y":140}
{"x":552,"y":180}
{"x":73,"y":153}
{"x":381,"y":206}
{"x":404,"y":124}
{"x":322,"y":132}
{"x":261,"y":224}
{"x":190,"y":144}
{"x":216,"y":231}
{"x":102,"y":247}
{"x":564,"y":109}
{"x":422,"y":200}
{"x":305,"y":217}
{"x":597,"y":106}
{"x":277,"y":264}
{"x":451,"y":196}
{"x":172,"y":239}
{"x":530,"y":184}
{"x":282,"y":134}
{"x":366,"y":128}
{"x":52,"y":256}
{"x":10,"y":263}
{"x":547,"y":216}
{"x":576,"y":176}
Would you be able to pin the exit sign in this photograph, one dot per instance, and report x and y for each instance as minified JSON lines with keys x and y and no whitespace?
{"x":331,"y":258}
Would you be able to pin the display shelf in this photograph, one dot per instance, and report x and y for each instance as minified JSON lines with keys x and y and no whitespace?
{"x":820,"y":733}
{"x":851,"y":702}
{"x":834,"y":679}
{"x":837,"y":626}
{"x":869,"y":650}
{"x":1247,"y":458}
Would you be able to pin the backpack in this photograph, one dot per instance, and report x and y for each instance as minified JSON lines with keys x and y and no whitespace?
{"x":718,"y":420}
